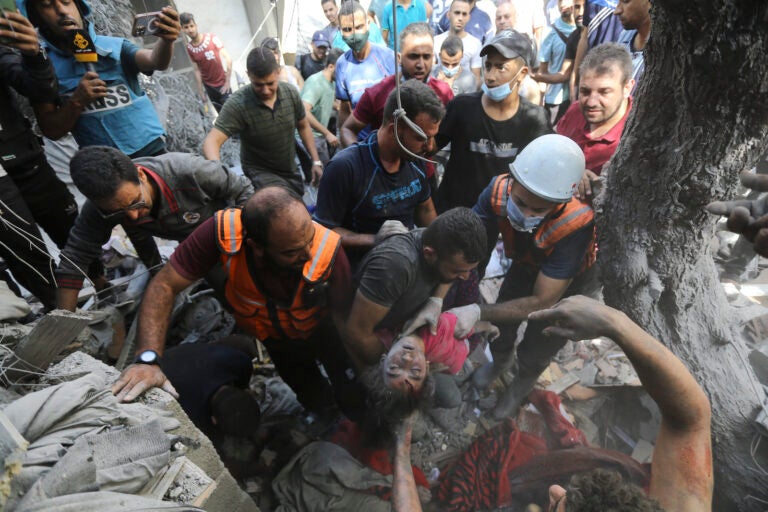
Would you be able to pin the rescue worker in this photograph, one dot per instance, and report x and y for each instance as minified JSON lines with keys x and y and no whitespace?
{"x":550,"y":237}
{"x":288,"y":284}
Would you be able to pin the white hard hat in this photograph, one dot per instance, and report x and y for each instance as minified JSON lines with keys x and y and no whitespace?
{"x":550,"y":166}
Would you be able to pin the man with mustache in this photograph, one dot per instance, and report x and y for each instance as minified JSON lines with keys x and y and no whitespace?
{"x":101,"y":103}
{"x":458,"y":16}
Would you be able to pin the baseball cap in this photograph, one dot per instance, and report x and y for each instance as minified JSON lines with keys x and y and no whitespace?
{"x":320,"y":38}
{"x":511,"y":44}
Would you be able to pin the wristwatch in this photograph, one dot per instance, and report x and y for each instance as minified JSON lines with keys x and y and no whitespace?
{"x":317,"y":162}
{"x":147,"y":357}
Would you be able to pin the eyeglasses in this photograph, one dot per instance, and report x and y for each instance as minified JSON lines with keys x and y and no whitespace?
{"x":138,"y":205}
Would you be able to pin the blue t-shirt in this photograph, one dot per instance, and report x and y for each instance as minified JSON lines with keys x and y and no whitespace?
{"x":353,"y":77}
{"x":603,"y":25}
{"x":627,"y":38}
{"x":415,"y":13}
{"x":356,"y":192}
{"x":565,"y":260}
{"x":553,"y":52}
{"x":479,"y":24}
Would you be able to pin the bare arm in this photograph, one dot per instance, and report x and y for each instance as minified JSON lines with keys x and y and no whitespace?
{"x":560,"y":77}
{"x":159,"y":57}
{"x":353,"y":240}
{"x":581,"y":51}
{"x":317,"y":125}
{"x":212,"y":144}
{"x":56,"y":121}
{"x":305,"y":132}
{"x":199,"y":83}
{"x":363,"y":345}
{"x":345,"y":109}
{"x":546,"y":292}
{"x":224,"y":54}
{"x":153,"y":326}
{"x":425,"y":213}
{"x":681,"y":476}
{"x":405,"y":497}
{"x":385,"y":35}
{"x":349,"y":130}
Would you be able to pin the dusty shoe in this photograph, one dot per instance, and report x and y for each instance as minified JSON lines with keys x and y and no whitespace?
{"x":512,"y":397}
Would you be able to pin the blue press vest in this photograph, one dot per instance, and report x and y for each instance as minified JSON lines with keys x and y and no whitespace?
{"x":124,"y":119}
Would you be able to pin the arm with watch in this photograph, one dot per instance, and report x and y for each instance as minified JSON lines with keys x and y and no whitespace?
{"x":154,"y":314}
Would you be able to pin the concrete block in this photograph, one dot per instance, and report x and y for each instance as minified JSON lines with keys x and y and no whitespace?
{"x":228,"y":497}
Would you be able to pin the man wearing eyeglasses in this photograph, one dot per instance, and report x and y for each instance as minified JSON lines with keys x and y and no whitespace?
{"x":166,"y":196}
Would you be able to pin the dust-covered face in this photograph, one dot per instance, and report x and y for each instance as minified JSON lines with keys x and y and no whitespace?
{"x":405,"y":365}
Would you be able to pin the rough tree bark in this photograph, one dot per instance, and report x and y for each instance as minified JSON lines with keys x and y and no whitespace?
{"x":700,"y":117}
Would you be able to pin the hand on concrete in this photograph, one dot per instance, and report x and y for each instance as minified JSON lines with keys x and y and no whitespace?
{"x":389,"y":228}
{"x":90,"y":88}
{"x":429,"y":314}
{"x":138,"y":378}
{"x":748,"y":218}
{"x":588,"y":186}
{"x":168,"y":20}
{"x":466,"y":318}
{"x":20,"y":32}
{"x":577,"y":318}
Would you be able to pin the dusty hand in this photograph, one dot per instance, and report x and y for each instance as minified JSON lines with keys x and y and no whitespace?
{"x":317,"y":174}
{"x":588,"y":185}
{"x":466,"y":318}
{"x":90,"y":88}
{"x":748,"y":218}
{"x":168,"y":21}
{"x":577,"y":318}
{"x":429,"y":314}
{"x":389,"y":228}
{"x":20,"y":31}
{"x":332,"y":140}
{"x":490,"y":331}
{"x":138,"y":378}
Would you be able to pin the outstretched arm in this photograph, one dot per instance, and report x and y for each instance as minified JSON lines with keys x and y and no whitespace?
{"x":405,"y":497}
{"x":748,"y":218}
{"x":681,"y":477}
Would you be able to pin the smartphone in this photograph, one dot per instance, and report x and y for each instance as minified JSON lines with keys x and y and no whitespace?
{"x":7,"y":5}
{"x":145,"y":24}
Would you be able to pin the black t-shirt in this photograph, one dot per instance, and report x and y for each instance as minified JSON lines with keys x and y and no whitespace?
{"x":572,"y":44}
{"x":481,"y":147}
{"x":356,"y":192}
{"x":307,"y":66}
{"x":395,"y":275}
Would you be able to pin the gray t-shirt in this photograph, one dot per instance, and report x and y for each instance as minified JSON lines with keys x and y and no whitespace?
{"x":395,"y":275}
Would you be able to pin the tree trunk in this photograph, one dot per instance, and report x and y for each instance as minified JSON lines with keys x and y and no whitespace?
{"x":700,"y":116}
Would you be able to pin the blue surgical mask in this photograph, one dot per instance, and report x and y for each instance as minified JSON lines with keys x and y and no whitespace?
{"x":519,"y":221}
{"x":450,"y":73}
{"x":500,"y":92}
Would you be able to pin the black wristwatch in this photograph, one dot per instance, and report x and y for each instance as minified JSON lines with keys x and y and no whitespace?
{"x":147,"y":357}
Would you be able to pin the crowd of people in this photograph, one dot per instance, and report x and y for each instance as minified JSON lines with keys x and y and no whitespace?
{"x":378,"y":281}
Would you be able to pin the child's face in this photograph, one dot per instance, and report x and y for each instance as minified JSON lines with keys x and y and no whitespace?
{"x":405,"y":365}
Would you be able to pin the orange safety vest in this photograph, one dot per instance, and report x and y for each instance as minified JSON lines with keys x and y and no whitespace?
{"x":253,"y":310}
{"x":573,"y":216}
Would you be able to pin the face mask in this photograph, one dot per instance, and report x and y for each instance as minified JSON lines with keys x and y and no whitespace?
{"x":356,"y":41}
{"x":450,"y":73}
{"x":500,"y":92}
{"x":519,"y":221}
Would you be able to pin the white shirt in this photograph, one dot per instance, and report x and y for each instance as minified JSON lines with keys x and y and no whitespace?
{"x":472,"y":47}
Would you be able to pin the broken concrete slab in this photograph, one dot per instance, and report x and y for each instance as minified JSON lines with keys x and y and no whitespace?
{"x":12,"y":449}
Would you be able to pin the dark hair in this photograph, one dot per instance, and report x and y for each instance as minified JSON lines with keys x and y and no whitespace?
{"x":603,"y":57}
{"x":601,"y":490}
{"x":186,"y":17}
{"x":261,"y":62}
{"x":270,"y":42}
{"x":457,"y":231}
{"x":98,"y":171}
{"x":349,"y":7}
{"x":415,"y":29}
{"x":333,"y":56}
{"x":236,"y":411}
{"x":262,"y":207}
{"x":386,"y":408}
{"x":415,"y":97}
{"x":323,"y":2}
{"x":452,"y":45}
